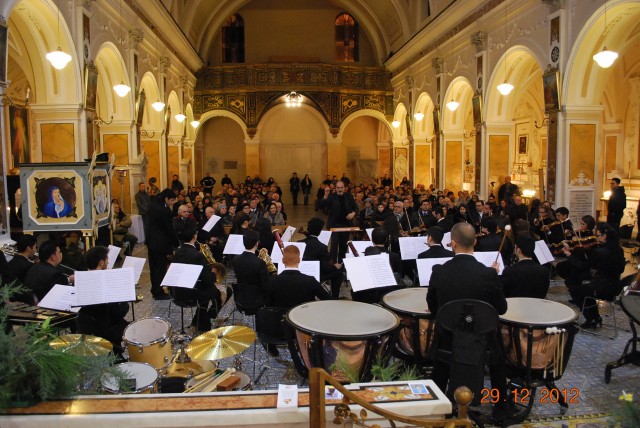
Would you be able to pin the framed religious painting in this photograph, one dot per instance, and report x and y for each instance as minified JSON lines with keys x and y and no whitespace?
{"x":101,"y":195}
{"x":90,"y":86}
{"x":4,"y":50}
{"x":476,"y":104}
{"x":551,"y":91}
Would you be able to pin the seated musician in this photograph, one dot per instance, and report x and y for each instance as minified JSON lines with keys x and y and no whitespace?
{"x":596,"y":273}
{"x":241,"y":222}
{"x":106,"y":320}
{"x":205,"y":290}
{"x":543,"y":225}
{"x":43,"y":276}
{"x":463,"y":277}
{"x":423,"y":217}
{"x":183,"y":220}
{"x":249,"y":269}
{"x":526,"y":278}
{"x":120,"y":223}
{"x":402,"y":217}
{"x":491,"y":240}
{"x":263,"y":227}
{"x":215,"y":237}
{"x":292,"y":288}
{"x":562,"y":214}
{"x":434,"y":242}
{"x":316,"y":250}
{"x":441,"y":220}
{"x":20,"y":264}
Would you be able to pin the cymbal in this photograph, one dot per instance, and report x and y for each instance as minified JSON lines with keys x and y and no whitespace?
{"x":82,"y":344}
{"x":192,"y":368}
{"x":221,"y":342}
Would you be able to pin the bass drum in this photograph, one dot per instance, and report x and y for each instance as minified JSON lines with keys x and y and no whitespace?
{"x":148,"y":341}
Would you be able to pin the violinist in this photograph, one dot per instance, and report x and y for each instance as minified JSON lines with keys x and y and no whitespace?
{"x":562,"y":214}
{"x":597,"y":274}
{"x":477,"y":214}
{"x":491,"y":240}
{"x":546,"y":225}
{"x":424,"y":218}
{"x":400,"y":214}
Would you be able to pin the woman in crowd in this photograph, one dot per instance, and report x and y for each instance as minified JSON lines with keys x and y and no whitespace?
{"x":121,"y":223}
{"x":198,"y":210}
{"x":461,"y":215}
{"x":274,"y":217}
{"x":240,"y":223}
{"x":306,"y":185}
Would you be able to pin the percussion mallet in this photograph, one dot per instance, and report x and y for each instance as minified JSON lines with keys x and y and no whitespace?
{"x":507,"y":229}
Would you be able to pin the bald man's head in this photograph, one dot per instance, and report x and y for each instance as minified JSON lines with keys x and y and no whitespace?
{"x":464,"y":236}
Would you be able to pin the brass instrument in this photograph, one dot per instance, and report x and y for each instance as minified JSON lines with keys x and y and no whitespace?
{"x":9,"y":250}
{"x":206,"y":252}
{"x":263,"y":255}
{"x":218,"y":268}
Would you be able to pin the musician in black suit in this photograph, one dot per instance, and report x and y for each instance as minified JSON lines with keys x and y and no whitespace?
{"x":463,"y":277}
{"x":316,"y":250}
{"x":441,"y":220}
{"x":424,"y":218}
{"x":215,"y":237}
{"x":401,"y":214}
{"x":292,"y":288}
{"x":477,"y":214}
{"x":249,"y":269}
{"x":434,"y":242}
{"x":491,"y":241}
{"x":161,"y":241}
{"x":106,"y":320}
{"x":20,"y":264}
{"x":342,"y":209}
{"x":526,"y":278}
{"x":205,"y":291}
{"x":42,"y":276}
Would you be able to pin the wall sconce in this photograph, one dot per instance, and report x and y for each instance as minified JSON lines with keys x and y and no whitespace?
{"x":545,"y":122}
{"x":528,"y":193}
{"x":146,"y":134}
{"x":607,"y":194}
{"x":100,"y":121}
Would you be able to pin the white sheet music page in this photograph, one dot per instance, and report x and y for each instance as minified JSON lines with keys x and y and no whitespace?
{"x":360,"y":247}
{"x":311,"y":268}
{"x":325,"y":237}
{"x":446,"y":241}
{"x":60,"y":298}
{"x":488,"y":257}
{"x":234,"y":244}
{"x":276,"y":253}
{"x":105,"y":286}
{"x":542,"y":252}
{"x":181,"y":275}
{"x":369,"y":233}
{"x":425,"y":268}
{"x":211,"y":222}
{"x":411,"y":246}
{"x":367,"y":272}
{"x":288,"y":234}
{"x":137,"y":263}
{"x":113,"y":255}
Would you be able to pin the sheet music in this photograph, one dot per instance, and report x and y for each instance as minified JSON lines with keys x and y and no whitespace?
{"x":542,"y":252}
{"x":276,"y":253}
{"x":325,"y":237}
{"x":60,"y":298}
{"x":211,"y":222}
{"x":360,"y":247}
{"x":234,"y":244}
{"x":105,"y":286}
{"x":311,"y":268}
{"x":114,"y":252}
{"x":137,"y":263}
{"x":288,"y":234}
{"x":425,"y":267}
{"x":488,"y":257}
{"x":446,"y":241}
{"x":181,"y":275}
{"x":370,"y":233}
{"x":368,"y":272}
{"x":411,"y":246}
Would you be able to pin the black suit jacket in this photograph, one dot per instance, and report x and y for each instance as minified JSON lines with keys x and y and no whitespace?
{"x":336,"y":215}
{"x":188,"y":254}
{"x":292,"y":288}
{"x":435,"y":252}
{"x":42,"y":277}
{"x":162,"y":237}
{"x":250,"y":270}
{"x":525,"y":279}
{"x":316,"y":250}
{"x":492,"y":242}
{"x":445,"y":224}
{"x":463,"y":277}
{"x":19,"y":266}
{"x":106,"y":320}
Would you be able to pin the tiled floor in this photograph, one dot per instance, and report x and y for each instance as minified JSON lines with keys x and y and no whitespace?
{"x":584,"y":374}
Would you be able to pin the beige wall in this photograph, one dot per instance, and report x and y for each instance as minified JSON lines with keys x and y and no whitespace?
{"x":423,"y":165}
{"x":118,"y":145}
{"x":498,"y":159}
{"x":58,"y":142}
{"x":453,"y":166}
{"x":222,"y":140}
{"x":362,"y":134}
{"x":582,"y":150}
{"x":153,"y":160}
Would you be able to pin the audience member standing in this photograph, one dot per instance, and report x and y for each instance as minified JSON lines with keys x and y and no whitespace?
{"x":306,"y":185}
{"x":617,"y":203}
{"x":342,"y":210}
{"x":207,"y":184}
{"x":142,"y":201}
{"x":294,"y":187}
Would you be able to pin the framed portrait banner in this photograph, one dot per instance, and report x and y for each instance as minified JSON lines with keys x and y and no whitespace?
{"x":90,"y":86}
{"x":4,"y":50}
{"x":101,"y":195}
{"x":476,"y":103}
{"x":551,"y":91}
{"x":522,"y":144}
{"x":56,"y":196}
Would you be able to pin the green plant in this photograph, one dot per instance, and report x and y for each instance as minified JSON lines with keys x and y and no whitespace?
{"x":342,"y":369}
{"x":629,"y":414}
{"x":383,"y":370}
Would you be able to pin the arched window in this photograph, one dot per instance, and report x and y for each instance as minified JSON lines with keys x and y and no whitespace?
{"x":346,"y":38}
{"x":233,"y":40}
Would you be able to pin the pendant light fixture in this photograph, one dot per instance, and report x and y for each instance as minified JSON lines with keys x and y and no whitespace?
{"x":605,"y":58}
{"x":505,"y":88}
{"x":121,"y":89}
{"x":195,"y":123}
{"x":158,"y":105}
{"x":453,"y":104}
{"x":58,"y":58}
{"x":180,"y":117}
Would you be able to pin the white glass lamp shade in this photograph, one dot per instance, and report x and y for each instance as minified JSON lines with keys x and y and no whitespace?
{"x":505,"y":88}
{"x":605,"y":58}
{"x":58,"y":58}
{"x":121,"y":89}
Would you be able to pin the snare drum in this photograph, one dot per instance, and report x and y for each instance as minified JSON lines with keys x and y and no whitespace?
{"x":138,"y":378}
{"x":148,"y":341}
{"x":538,"y":336}
{"x":417,"y":331}
{"x":339,"y":336}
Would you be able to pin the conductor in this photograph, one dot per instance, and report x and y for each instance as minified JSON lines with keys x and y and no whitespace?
{"x":342,"y":209}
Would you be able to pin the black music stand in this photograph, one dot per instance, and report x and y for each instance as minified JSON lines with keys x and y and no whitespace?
{"x":631,"y":306}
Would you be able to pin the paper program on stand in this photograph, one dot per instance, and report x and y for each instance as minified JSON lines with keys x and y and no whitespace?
{"x":105,"y":286}
{"x":234,"y":244}
{"x":367,"y":272}
{"x":425,"y":268}
{"x":137,"y":263}
{"x":542,"y":252}
{"x":181,"y":275}
{"x":411,"y":246}
{"x":276,"y":252}
{"x":60,"y":298}
{"x":210,"y":223}
{"x":114,"y":252}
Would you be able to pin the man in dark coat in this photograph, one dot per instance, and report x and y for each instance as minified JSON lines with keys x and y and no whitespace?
{"x":207,"y":184}
{"x":507,"y":191}
{"x":249,"y":269}
{"x":20,"y":264}
{"x":42,"y":276}
{"x":434,"y":242}
{"x":342,"y":210}
{"x":292,"y":288}
{"x":491,"y":241}
{"x":161,"y":241}
{"x":294,"y":187}
{"x":526,"y":278}
{"x":617,"y":203}
{"x":316,"y":250}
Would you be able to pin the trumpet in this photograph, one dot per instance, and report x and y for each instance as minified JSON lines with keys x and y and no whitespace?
{"x":219,"y":268}
{"x":263,"y":255}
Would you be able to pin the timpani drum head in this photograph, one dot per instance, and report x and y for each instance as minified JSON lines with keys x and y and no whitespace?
{"x":343,"y":318}
{"x":538,"y":312}
{"x":410,"y":300}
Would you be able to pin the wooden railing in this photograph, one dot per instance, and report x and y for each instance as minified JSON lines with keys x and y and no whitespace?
{"x":343,"y":414}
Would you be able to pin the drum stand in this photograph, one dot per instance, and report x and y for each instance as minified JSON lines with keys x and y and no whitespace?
{"x":630,"y":305}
